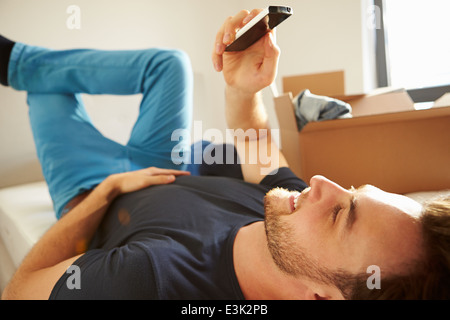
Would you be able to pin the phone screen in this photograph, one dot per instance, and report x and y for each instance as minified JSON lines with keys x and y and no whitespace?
{"x":263,"y":23}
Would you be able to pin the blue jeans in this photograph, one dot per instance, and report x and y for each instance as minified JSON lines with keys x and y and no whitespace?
{"x":74,"y":155}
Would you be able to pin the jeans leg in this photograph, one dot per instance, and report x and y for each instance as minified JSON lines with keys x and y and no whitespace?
{"x":41,"y":70}
{"x":166,"y":106}
{"x":163,"y":77}
{"x":74,"y":155}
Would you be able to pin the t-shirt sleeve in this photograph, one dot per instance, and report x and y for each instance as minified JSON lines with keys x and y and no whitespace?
{"x":119,"y":273}
{"x":284,"y":178}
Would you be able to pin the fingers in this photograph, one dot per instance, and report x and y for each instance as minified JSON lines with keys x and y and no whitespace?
{"x":136,"y":180}
{"x":252,"y":14}
{"x":163,"y":176}
{"x":154,"y":175}
{"x":232,"y":25}
{"x":154,"y":171}
{"x":224,"y":37}
{"x":227,"y":33}
{"x":162,"y":179}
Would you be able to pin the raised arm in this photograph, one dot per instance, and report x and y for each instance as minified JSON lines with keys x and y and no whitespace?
{"x":246,"y":73}
{"x":67,"y":240}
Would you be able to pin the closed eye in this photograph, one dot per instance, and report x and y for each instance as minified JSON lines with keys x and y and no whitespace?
{"x":335,"y":212}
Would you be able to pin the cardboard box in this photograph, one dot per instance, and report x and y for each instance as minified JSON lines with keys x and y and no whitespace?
{"x":332,"y":84}
{"x":396,"y":150}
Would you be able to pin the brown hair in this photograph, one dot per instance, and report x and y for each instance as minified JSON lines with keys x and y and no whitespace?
{"x":429,"y":278}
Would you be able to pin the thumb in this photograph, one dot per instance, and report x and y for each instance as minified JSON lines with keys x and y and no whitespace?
{"x":271,"y":49}
{"x":271,"y":54}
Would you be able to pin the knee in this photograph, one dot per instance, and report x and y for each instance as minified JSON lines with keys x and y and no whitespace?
{"x":175,"y":60}
{"x":178,"y":57}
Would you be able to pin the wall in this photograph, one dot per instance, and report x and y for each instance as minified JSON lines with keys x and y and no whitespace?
{"x":323,"y":35}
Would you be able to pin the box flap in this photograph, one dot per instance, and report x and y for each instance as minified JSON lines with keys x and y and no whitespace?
{"x":324,"y":84}
{"x":443,"y":101}
{"x":332,"y":84}
{"x":381,"y":103}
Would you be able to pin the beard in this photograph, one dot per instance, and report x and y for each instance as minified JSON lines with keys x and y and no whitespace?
{"x":287,"y":253}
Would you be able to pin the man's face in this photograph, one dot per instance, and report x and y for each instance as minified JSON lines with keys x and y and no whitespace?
{"x":327,"y":228}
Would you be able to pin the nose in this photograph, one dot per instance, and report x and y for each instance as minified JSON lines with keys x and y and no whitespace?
{"x":323,"y":189}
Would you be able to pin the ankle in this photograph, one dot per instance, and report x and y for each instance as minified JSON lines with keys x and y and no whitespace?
{"x":6,"y":47}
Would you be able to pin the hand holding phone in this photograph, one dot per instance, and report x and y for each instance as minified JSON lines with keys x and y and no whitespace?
{"x":251,"y":70}
{"x":254,"y":30}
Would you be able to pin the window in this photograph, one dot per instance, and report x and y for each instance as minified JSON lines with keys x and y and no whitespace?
{"x":413,"y":47}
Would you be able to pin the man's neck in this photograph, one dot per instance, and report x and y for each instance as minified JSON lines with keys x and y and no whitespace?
{"x":258,"y":276}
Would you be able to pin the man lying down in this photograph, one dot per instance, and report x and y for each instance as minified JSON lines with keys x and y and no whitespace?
{"x":134,"y":225}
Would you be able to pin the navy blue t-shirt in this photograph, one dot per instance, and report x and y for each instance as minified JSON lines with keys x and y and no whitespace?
{"x":172,"y":241}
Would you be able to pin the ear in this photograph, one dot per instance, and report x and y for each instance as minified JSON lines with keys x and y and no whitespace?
{"x":323,"y":292}
{"x":318,"y":297}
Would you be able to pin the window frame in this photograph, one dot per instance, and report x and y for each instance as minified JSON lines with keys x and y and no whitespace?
{"x":418,"y":95}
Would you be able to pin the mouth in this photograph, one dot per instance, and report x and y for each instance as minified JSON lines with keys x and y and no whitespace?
{"x":279,"y":201}
{"x":295,"y":199}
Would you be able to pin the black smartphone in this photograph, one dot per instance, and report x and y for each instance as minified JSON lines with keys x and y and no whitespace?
{"x":255,"y":29}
